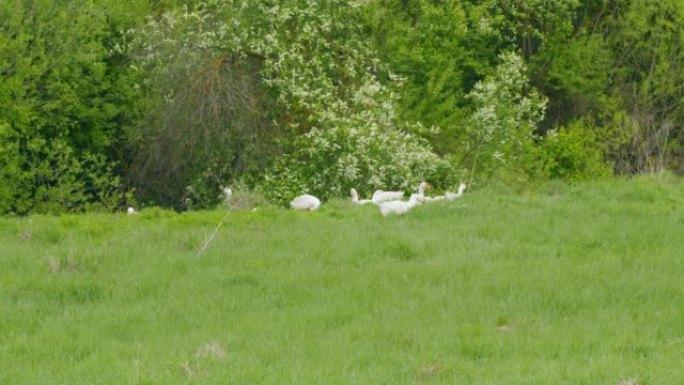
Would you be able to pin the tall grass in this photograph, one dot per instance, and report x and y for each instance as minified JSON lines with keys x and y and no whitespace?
{"x":571,"y":285}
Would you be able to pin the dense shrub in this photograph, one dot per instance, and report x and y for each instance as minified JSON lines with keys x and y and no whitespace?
{"x":572,"y":153}
{"x":49,"y":177}
{"x":66,"y":97}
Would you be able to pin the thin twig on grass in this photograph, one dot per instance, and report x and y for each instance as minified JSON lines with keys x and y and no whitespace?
{"x":207,"y":241}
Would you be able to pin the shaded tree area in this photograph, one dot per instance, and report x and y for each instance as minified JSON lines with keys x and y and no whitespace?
{"x":215,"y":128}
{"x":164,"y":101}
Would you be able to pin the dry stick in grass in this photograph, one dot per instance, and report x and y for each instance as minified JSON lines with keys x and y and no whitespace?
{"x":207,"y":241}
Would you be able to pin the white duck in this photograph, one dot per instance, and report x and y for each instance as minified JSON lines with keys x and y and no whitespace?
{"x":131,"y":211}
{"x":355,"y":198}
{"x":451,"y":196}
{"x":399,"y":207}
{"x":305,"y":202}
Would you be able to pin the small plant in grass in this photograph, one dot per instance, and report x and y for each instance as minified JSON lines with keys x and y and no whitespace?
{"x":204,"y":356}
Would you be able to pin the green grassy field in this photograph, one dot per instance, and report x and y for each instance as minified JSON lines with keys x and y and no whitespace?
{"x":565,"y":285}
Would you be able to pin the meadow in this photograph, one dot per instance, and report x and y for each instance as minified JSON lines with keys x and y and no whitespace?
{"x":559,"y":285}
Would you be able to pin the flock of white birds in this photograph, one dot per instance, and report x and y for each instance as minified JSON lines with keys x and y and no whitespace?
{"x":389,"y":202}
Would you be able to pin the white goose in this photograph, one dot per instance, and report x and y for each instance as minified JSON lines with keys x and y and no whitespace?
{"x":380,"y":196}
{"x":355,"y":198}
{"x":434,"y":199}
{"x":399,"y":207}
{"x":422,"y":187}
{"x":447,"y":195}
{"x":305,"y":202}
{"x":451,"y":196}
{"x":227,"y":194}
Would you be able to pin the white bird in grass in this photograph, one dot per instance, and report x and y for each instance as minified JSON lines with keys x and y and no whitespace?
{"x":380,"y":196}
{"x":305,"y":202}
{"x":227,"y":193}
{"x":447,"y":195}
{"x":451,"y":196}
{"x":434,"y":199}
{"x":421,"y":189}
{"x":399,"y":207}
{"x":402,"y":207}
{"x":131,"y":211}
{"x":355,"y":198}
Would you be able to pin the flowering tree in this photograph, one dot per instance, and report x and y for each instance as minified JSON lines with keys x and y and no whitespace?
{"x":314,"y":83}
